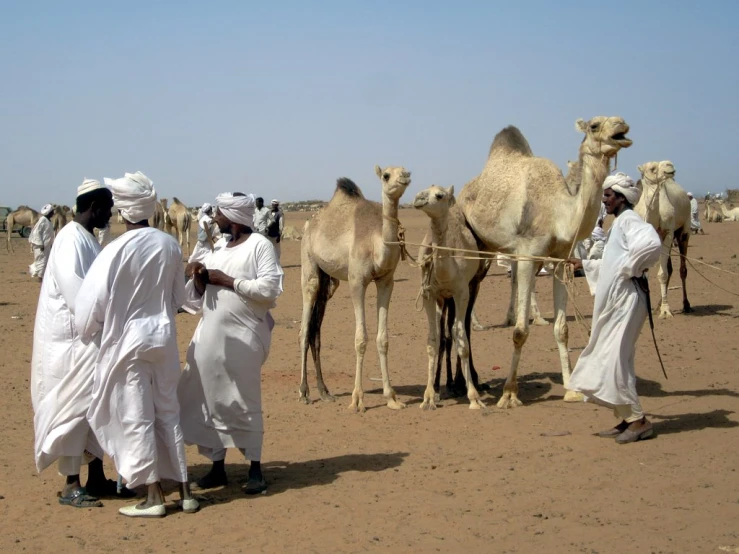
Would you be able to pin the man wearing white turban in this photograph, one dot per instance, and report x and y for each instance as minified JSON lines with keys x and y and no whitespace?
{"x":605,"y":371}
{"x":205,"y":234}
{"x":128,"y":301}
{"x":695,"y":222}
{"x":275,"y":226}
{"x":235,"y":287}
{"x":61,"y":366}
{"x":41,"y":239}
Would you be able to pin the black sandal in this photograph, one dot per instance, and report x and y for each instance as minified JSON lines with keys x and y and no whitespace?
{"x":79,"y":498}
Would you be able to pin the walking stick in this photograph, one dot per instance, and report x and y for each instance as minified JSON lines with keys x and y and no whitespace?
{"x":643,"y":284}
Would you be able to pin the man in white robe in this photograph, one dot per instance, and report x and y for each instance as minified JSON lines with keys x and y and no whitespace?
{"x":695,"y":222}
{"x":261,"y":217}
{"x":41,"y":239}
{"x":235,"y":286}
{"x":104,"y":235}
{"x":275,"y":226}
{"x":61,"y":366}
{"x":605,"y":371}
{"x":205,"y":243}
{"x":130,"y":297}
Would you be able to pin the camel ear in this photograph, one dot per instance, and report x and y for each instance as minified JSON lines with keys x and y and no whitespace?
{"x":581,"y":125}
{"x":378,"y":170}
{"x":450,"y":190}
{"x":640,"y":169}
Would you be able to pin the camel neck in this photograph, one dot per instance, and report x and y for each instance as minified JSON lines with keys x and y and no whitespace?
{"x":438,"y":229}
{"x":594,"y":171}
{"x":389,"y":220}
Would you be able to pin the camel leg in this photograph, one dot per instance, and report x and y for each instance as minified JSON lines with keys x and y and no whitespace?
{"x":384,"y":292}
{"x":510,"y":318}
{"x":433,"y":318}
{"x":536,"y":317}
{"x":476,"y":325}
{"x":683,"y":248}
{"x":445,"y":349}
{"x":461,"y":299}
{"x":664,"y":274}
{"x":520,"y":333}
{"x":326,"y":285}
{"x":358,"y":290}
{"x":561,"y":331}
{"x":309,"y":286}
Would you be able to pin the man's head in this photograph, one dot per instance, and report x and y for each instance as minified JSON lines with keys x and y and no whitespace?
{"x":134,"y":196}
{"x":690,"y":195}
{"x":275,"y":205}
{"x":46,"y":210}
{"x":234,"y":210}
{"x":620,"y":193}
{"x":260,"y":202}
{"x":94,"y":203}
{"x":207,"y":209}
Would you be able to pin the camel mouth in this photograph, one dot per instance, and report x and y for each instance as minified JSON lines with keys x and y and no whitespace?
{"x":621,"y":139}
{"x":419,"y":203}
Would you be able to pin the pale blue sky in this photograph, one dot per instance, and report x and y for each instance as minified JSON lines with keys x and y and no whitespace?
{"x":281,"y":98}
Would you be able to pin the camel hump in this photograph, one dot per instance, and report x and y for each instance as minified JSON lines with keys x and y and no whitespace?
{"x":510,"y":141}
{"x":176,"y":200}
{"x":349,"y":188}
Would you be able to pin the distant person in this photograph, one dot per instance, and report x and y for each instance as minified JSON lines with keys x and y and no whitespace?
{"x":129,"y":299}
{"x":605,"y":371}
{"x":204,"y":245}
{"x":695,"y":222}
{"x":41,"y":239}
{"x":275,"y":226}
{"x":235,"y":287}
{"x":61,"y":366}
{"x":261,"y":217}
{"x":104,"y":235}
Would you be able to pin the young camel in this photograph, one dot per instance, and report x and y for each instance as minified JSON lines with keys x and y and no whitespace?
{"x":347,"y":241}
{"x":443,"y":277}
{"x":521,"y":204}
{"x":665,"y":205}
{"x":23,"y":216}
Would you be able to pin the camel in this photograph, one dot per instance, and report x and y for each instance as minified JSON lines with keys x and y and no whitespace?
{"x":158,"y":219}
{"x":346,"y":241}
{"x":24,"y":217}
{"x":712,"y":212}
{"x":443,"y":277}
{"x":58,"y":219}
{"x":665,"y":205}
{"x":522,"y":205}
{"x":731,"y":213}
{"x":178,"y":217}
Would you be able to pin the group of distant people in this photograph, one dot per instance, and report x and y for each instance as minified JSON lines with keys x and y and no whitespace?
{"x":106,"y":375}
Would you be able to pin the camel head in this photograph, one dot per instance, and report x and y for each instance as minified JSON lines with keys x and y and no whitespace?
{"x":163,"y":202}
{"x":434,"y":201}
{"x":649,"y":173}
{"x":394,"y":181}
{"x":666,"y":170}
{"x":604,"y":136}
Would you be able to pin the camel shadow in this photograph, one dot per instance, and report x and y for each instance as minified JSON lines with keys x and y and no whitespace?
{"x":654,"y":389}
{"x":284,"y":476}
{"x":710,"y":309}
{"x":717,"y":419}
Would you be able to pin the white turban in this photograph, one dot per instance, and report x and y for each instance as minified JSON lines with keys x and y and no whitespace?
{"x":598,"y":234}
{"x":88,"y":185}
{"x":622,"y":183}
{"x":690,"y":194}
{"x":238,"y":209}
{"x":206,"y":208}
{"x":275,"y":201}
{"x":133,"y":195}
{"x":46,"y":209}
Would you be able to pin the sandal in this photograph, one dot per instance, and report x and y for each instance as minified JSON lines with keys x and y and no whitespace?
{"x":79,"y":498}
{"x":255,"y":486}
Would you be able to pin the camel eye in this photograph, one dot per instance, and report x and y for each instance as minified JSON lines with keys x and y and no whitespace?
{"x":439,"y":195}
{"x":594,"y":127}
{"x":386,"y":176}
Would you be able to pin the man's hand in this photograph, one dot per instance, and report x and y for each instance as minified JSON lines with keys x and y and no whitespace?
{"x":193,"y":268}
{"x":218,"y":278}
{"x":575,"y":263}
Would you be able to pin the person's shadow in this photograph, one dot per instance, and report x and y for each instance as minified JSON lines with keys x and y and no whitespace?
{"x":284,"y":476}
{"x":717,"y":419}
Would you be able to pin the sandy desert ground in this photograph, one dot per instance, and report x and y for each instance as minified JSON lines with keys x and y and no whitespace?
{"x":450,"y":480}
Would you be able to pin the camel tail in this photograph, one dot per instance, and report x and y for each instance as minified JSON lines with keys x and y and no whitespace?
{"x":349,"y":188}
{"x":510,"y":141}
{"x":319,"y":309}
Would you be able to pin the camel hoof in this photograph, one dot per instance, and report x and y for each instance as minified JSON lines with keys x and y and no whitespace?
{"x":427,"y":405}
{"x":304,"y":400}
{"x":573,"y":396}
{"x":437,"y":397}
{"x":477,"y":404}
{"x":394,"y":404}
{"x":326,"y":397}
{"x":356,"y":408}
{"x":665,"y":314}
{"x":509,"y":400}
{"x":688,"y":310}
{"x":540,"y":321}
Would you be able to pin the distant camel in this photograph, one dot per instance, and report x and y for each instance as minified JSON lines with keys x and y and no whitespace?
{"x":23,"y":216}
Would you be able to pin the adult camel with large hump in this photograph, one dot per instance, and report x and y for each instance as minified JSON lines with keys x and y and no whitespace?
{"x":665,"y":206}
{"x":348,"y":241}
{"x":23,"y":216}
{"x":521,"y":205}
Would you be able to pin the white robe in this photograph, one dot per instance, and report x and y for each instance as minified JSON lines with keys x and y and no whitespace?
{"x":695,"y":222}
{"x":202,"y":246}
{"x":605,"y":371}
{"x":221,"y":382}
{"x":104,"y":235}
{"x":41,"y":239}
{"x":261,"y":220}
{"x":131,"y":295}
{"x":61,"y":366}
